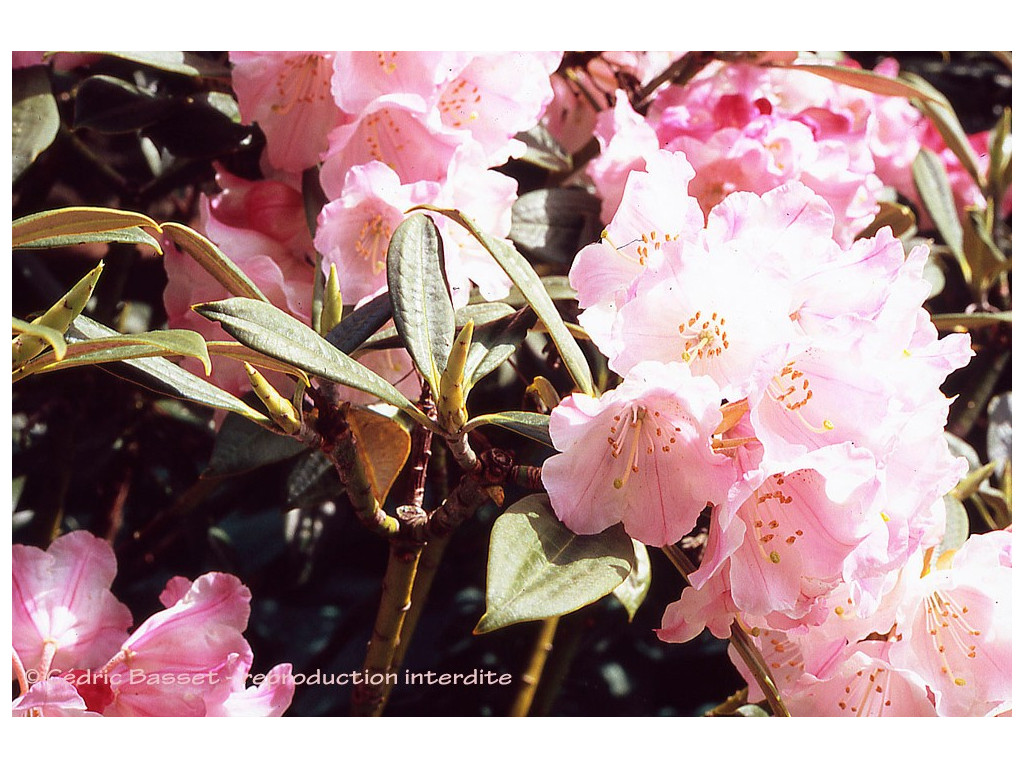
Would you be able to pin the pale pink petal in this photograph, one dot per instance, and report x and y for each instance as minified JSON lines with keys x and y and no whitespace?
{"x":53,"y":697}
{"x":62,"y":599}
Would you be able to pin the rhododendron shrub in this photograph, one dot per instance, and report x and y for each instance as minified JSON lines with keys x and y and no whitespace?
{"x":525,"y":382}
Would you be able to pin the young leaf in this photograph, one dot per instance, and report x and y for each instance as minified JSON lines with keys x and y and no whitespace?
{"x":210,"y":258}
{"x":167,"y":378}
{"x":537,"y":568}
{"x":121,"y":347}
{"x":242,"y":353}
{"x":529,"y":283}
{"x":525,"y":423}
{"x":267,"y":329}
{"x":79,"y":224}
{"x":423,"y":311}
{"x":58,"y":317}
{"x":48,"y":336}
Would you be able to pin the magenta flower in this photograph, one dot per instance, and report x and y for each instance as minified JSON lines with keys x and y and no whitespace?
{"x":73,"y":655}
{"x":641,"y":454}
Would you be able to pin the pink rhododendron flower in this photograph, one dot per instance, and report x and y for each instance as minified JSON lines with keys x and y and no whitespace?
{"x":354,"y":229}
{"x":288,"y":93}
{"x":953,"y":628}
{"x":751,"y":128}
{"x":497,"y":95}
{"x":397,"y":130}
{"x":640,"y":455}
{"x":73,"y":655}
{"x":261,"y":227}
{"x":570,"y":117}
{"x":360,"y":77}
{"x":626,"y":140}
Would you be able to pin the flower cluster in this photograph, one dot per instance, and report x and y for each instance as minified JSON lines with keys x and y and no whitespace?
{"x":390,"y":130}
{"x":746,"y":127}
{"x":74,"y":656}
{"x":787,"y":384}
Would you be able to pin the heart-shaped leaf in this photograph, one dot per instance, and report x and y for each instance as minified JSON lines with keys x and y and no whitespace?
{"x":537,"y":568}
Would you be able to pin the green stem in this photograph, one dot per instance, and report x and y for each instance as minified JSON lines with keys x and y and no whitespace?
{"x":370,"y":695}
{"x":531,"y":677}
{"x":740,"y":641}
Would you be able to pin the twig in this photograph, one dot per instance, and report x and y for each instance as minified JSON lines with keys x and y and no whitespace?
{"x":531,"y":677}
{"x":740,"y":640}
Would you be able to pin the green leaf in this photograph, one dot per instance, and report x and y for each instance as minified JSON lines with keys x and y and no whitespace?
{"x":49,"y":336}
{"x":544,"y":150}
{"x":112,"y":349}
{"x":494,"y":342}
{"x":633,"y":590}
{"x":937,"y":196}
{"x":360,"y":324}
{"x":957,"y":524}
{"x":553,"y":224}
{"x":938,"y":109}
{"x":267,"y":329}
{"x":981,"y":252}
{"x":242,"y":446}
{"x":537,"y":568}
{"x":178,"y":62}
{"x":423,"y":311}
{"x":165,"y":377}
{"x":79,"y":224}
{"x":556,"y":286}
{"x":525,"y":423}
{"x":970,"y":320}
{"x":865,"y":80}
{"x":132,"y":236}
{"x":35,"y":120}
{"x":529,"y":283}
{"x":899,"y":218}
{"x":213,"y":260}
{"x":110,"y":105}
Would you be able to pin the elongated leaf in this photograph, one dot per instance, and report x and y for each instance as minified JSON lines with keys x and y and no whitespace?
{"x":526,"y":423}
{"x":553,"y":224}
{"x":212,"y":259}
{"x":360,"y":324}
{"x":537,"y":568}
{"x":35,"y":120}
{"x":943,"y":117}
{"x":269,"y":330}
{"x":494,"y":342}
{"x":58,"y":317}
{"x":236,"y":351}
{"x":632,"y":592}
{"x":544,"y":151}
{"x":112,"y":349}
{"x":480,"y":314}
{"x":132,"y":236}
{"x":556,"y":286}
{"x":937,"y":195}
{"x":970,"y":320}
{"x":865,"y":79}
{"x":165,"y":377}
{"x":529,"y":283}
{"x":423,"y":311}
{"x":242,"y":446}
{"x":66,"y":224}
{"x":49,"y":336}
